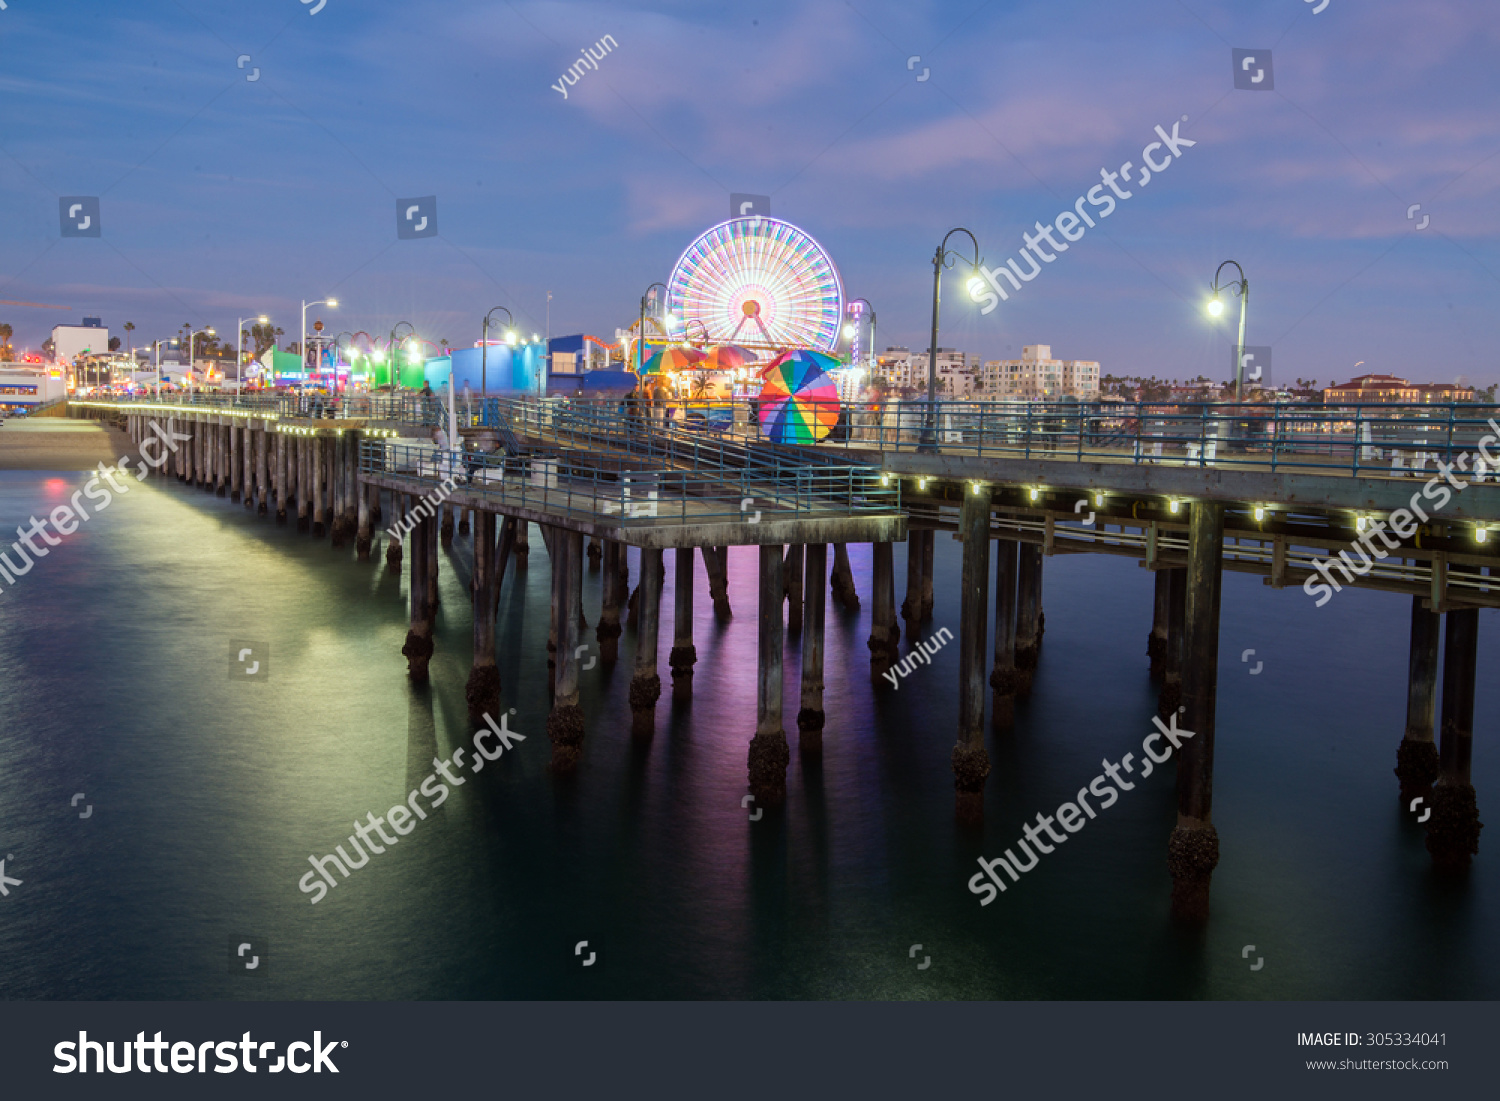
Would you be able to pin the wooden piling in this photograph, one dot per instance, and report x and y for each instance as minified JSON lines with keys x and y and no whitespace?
{"x":1028,"y":615}
{"x":319,"y":469}
{"x":236,"y":466}
{"x":810,"y":716}
{"x":523,"y":543}
{"x":684,"y":654}
{"x":971,"y":764}
{"x":365,"y":519}
{"x":929,"y":550}
{"x":842,"y":584}
{"x":336,"y":449}
{"x":393,"y":545}
{"x":1453,"y":829}
{"x":716,"y":563}
{"x":792,"y":574}
{"x":1417,"y":764}
{"x":768,"y":749}
{"x":911,"y":604}
{"x":418,"y":648}
{"x":483,"y":689}
{"x":502,"y":557}
{"x":1169,"y":699}
{"x":882,"y":611}
{"x":262,"y":469}
{"x":565,"y":722}
{"x":1003,"y":678}
{"x":281,"y":477}
{"x":432,"y":566}
{"x":1193,"y":851}
{"x":608,"y":632}
{"x":1156,"y":641}
{"x":645,"y":685}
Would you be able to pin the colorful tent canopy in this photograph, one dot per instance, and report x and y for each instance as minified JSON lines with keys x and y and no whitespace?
{"x":672,"y":359}
{"x":799,"y":402}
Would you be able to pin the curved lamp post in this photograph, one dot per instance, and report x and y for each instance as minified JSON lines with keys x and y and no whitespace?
{"x":331,"y":303}
{"x":484,"y":345}
{"x":640,"y":343}
{"x":1241,"y":287}
{"x":395,"y":353}
{"x":239,"y":349}
{"x":943,"y":258}
{"x":191,"y":337}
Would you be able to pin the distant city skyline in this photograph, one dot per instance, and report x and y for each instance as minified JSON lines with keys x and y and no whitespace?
{"x":1358,"y":193}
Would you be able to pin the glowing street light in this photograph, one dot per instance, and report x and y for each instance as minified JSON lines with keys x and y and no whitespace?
{"x":484,"y":347}
{"x":239,"y":349}
{"x":332,"y":304}
{"x":1241,"y":287}
{"x":943,"y":258}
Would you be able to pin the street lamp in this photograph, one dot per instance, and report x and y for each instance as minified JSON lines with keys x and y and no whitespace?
{"x":1241,"y":287}
{"x":394,"y":352}
{"x":156,"y":347}
{"x":191,"y":337}
{"x":941,"y":259}
{"x":640,"y":343}
{"x":239,"y":349}
{"x":484,"y":346}
{"x":331,"y":303}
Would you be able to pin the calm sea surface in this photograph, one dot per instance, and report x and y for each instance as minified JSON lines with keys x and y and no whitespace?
{"x":209,"y":794}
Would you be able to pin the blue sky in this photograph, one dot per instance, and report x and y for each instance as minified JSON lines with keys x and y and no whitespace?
{"x":223,"y":197}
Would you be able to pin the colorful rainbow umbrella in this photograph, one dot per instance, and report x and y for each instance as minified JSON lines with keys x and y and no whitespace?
{"x":672,"y":359}
{"x":727,"y":357}
{"x":799,"y":402}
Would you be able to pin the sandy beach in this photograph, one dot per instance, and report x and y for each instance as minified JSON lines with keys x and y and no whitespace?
{"x":57,"y":443}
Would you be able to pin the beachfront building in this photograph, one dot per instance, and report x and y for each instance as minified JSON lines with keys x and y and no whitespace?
{"x":1036,"y":376}
{"x":1390,"y":388}
{"x":24,"y":386}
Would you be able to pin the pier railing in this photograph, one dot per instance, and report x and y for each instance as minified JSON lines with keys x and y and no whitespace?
{"x":579,"y":485}
{"x":1385,"y":439}
{"x":1388,"y":439}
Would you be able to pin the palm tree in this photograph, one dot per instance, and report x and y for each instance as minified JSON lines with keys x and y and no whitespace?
{"x":129,"y":328}
{"x":5,"y":334}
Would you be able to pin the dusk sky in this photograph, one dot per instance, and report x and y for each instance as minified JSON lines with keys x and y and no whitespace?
{"x":223,"y":197}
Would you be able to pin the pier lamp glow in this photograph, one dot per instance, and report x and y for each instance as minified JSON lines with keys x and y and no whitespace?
{"x":1034,"y":492}
{"x":921,"y":483}
{"x":885,"y":479}
{"x":1360,"y":522}
{"x":944,"y":257}
{"x":332,"y":304}
{"x":1260,"y":512}
{"x":239,"y":349}
{"x":1481,"y":534}
{"x":1098,"y":500}
{"x":1173,"y":504}
{"x":978,"y":488}
{"x":484,"y":345}
{"x":1241,"y":287}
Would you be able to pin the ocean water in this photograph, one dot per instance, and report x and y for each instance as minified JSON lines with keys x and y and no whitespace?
{"x":210,"y":790}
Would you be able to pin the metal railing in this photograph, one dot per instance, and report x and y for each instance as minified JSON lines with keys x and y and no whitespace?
{"x":1388,"y":439}
{"x":579,"y":485}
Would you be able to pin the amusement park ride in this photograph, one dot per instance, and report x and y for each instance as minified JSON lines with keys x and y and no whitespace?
{"x":754,"y":306}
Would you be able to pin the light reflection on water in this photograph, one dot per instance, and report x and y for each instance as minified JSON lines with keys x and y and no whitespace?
{"x":209,"y":794}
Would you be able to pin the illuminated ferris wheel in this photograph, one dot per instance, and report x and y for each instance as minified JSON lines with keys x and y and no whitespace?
{"x":757,"y":281}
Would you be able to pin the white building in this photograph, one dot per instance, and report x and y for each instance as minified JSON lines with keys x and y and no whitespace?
{"x":1036,"y":376}
{"x":71,"y":341}
{"x":957,"y":374}
{"x":26,"y":385}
